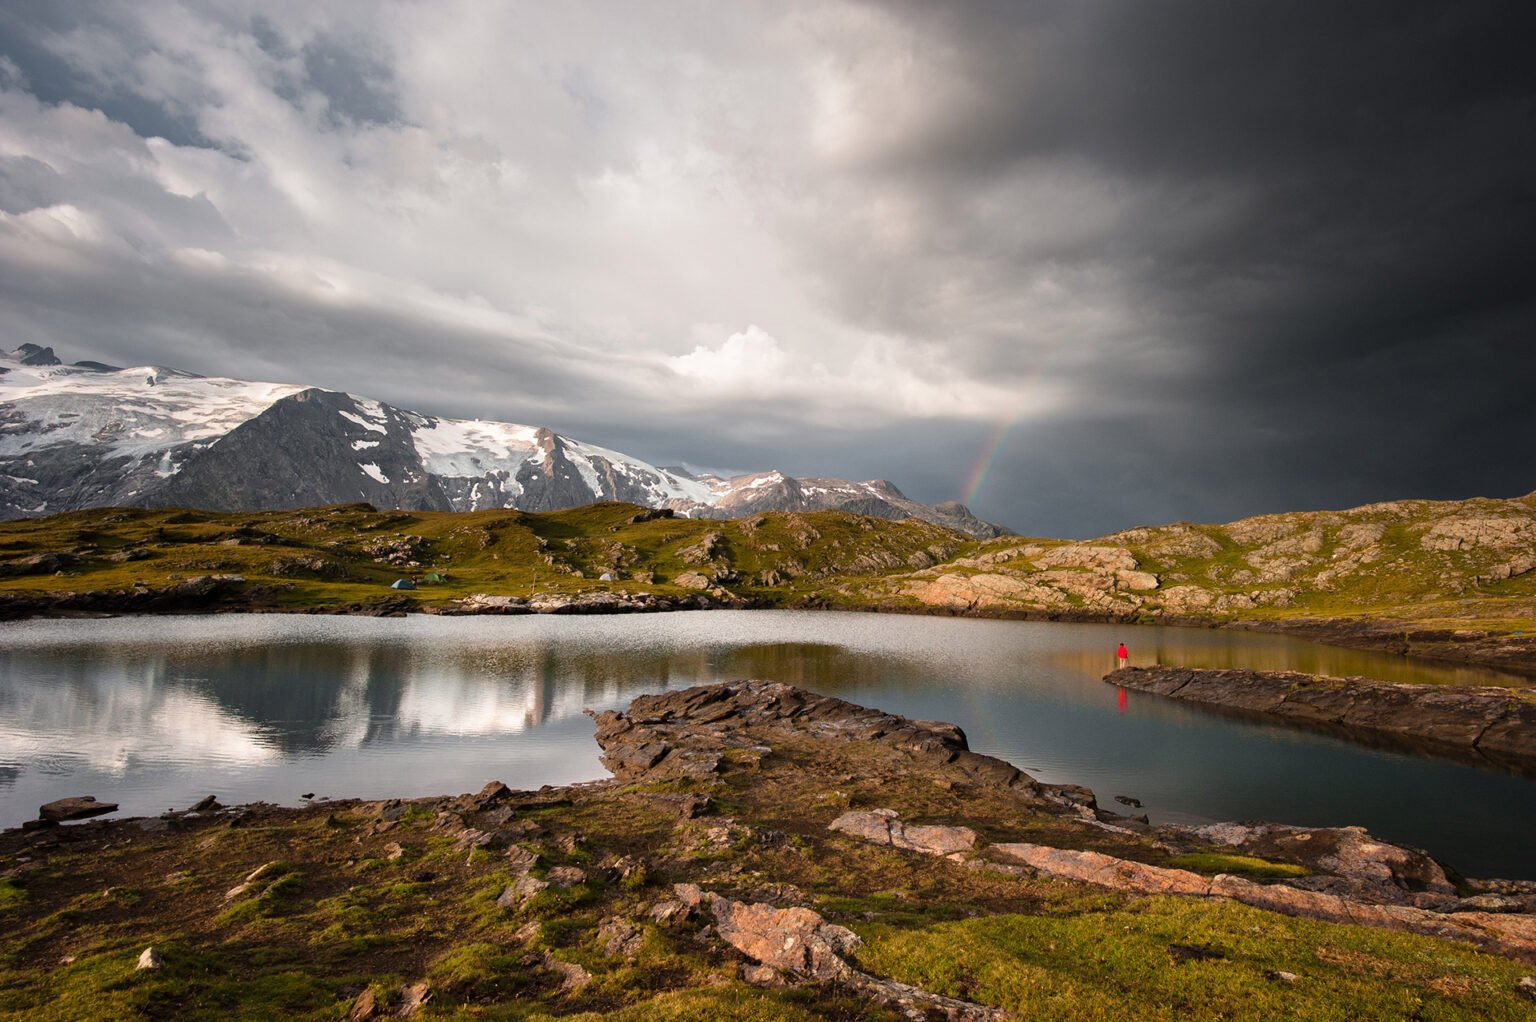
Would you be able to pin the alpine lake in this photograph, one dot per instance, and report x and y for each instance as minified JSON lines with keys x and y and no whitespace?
{"x":154,"y":713}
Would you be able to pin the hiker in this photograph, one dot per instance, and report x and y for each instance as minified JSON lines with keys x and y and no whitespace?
{"x":1122,"y":655}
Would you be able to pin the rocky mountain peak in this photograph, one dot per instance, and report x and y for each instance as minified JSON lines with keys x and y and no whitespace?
{"x":35,"y":355}
{"x":92,"y":435}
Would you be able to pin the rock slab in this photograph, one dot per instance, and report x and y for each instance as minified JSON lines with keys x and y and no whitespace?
{"x":81,"y":807}
{"x":1497,"y":724}
{"x":882,"y":827}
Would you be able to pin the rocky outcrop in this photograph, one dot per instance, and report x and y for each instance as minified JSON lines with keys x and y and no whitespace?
{"x":982,"y":591}
{"x":1491,"y":725}
{"x":798,"y":942}
{"x":1502,"y":932}
{"x":1371,"y":869}
{"x":691,"y":732}
{"x":592,"y":601}
{"x":883,"y":827}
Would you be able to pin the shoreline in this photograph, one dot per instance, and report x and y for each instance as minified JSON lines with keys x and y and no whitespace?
{"x":1512,"y":652}
{"x":1492,"y":728}
{"x":757,"y":845}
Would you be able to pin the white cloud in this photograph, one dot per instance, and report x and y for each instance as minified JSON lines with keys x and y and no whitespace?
{"x":748,"y":360}
{"x":567,"y":217}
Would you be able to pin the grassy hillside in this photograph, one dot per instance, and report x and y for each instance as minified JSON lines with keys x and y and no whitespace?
{"x":1436,"y":574}
{"x":328,"y":557}
{"x":1466,"y":563}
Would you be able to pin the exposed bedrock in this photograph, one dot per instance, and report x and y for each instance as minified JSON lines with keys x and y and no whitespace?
{"x":690,"y":732}
{"x":1490,"y":726}
{"x":1503,"y":932}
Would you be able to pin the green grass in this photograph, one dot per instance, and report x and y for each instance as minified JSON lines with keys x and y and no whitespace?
{"x":736,"y":1002}
{"x":192,"y":983}
{"x":1118,"y":965}
{"x":508,"y":552}
{"x":1240,"y":865}
{"x":340,"y":556}
{"x":12,"y":894}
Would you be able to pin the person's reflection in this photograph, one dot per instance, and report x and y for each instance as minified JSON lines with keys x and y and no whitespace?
{"x":1120,"y":700}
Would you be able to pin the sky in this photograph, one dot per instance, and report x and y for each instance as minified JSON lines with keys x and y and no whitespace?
{"x":1083,"y":265}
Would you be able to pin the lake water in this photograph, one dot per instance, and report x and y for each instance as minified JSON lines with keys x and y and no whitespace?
{"x":154,"y":713}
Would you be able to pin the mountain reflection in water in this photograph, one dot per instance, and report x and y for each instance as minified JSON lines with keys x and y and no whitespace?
{"x":157,"y":712}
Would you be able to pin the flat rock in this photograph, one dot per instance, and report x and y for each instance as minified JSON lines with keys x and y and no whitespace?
{"x":80,"y":807}
{"x":882,"y":827}
{"x":1505,"y":933}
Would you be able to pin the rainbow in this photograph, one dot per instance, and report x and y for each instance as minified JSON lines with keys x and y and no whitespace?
{"x":983,"y":467}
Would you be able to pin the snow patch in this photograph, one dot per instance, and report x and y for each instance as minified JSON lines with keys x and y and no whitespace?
{"x":71,"y":405}
{"x":370,"y":469}
{"x":475,"y":449}
{"x":372,"y":426}
{"x":364,"y":445}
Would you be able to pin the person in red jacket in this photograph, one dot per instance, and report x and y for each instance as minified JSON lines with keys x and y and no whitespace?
{"x":1122,"y":655}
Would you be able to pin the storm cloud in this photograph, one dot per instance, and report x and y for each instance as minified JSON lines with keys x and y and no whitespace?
{"x":1085,"y":265}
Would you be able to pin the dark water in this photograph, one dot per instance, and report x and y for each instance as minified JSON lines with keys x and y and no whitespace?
{"x":154,"y":713}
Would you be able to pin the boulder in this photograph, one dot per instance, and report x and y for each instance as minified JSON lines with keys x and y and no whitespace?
{"x":520,"y":891}
{"x":572,"y":976}
{"x":149,"y":958}
{"x":798,"y":944}
{"x":620,"y":937}
{"x":1349,"y":852}
{"x":412,"y":997}
{"x":364,"y":1008}
{"x":79,"y":807}
{"x":792,"y":940}
{"x":566,"y":876}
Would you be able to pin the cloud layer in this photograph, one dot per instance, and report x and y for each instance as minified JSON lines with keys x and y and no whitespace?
{"x":1209,"y":259}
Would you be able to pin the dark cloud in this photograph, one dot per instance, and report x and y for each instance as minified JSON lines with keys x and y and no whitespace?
{"x":357,"y":85}
{"x":26,"y":32}
{"x":1329,"y":227}
{"x":1227,"y":258}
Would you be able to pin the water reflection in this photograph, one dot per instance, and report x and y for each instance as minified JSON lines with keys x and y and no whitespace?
{"x":158,"y":712}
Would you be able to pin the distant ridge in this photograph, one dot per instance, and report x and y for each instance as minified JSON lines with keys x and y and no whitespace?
{"x":94,"y":435}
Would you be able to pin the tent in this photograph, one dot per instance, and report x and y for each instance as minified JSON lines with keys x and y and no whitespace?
{"x":433,"y":576}
{"x":403,"y":583}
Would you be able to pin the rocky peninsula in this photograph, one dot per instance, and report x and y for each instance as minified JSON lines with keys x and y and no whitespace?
{"x":1486,"y":726}
{"x":760,"y":852}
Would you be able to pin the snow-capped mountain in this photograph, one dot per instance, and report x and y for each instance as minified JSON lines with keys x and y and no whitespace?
{"x":93,"y":435}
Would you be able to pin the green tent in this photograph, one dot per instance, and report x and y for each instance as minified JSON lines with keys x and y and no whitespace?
{"x":433,"y":576}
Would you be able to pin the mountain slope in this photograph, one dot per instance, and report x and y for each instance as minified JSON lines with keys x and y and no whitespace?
{"x":91,"y":435}
{"x":1453,"y":579}
{"x":1447,"y":557}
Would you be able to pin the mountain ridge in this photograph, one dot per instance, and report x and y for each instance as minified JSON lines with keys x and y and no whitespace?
{"x":92,"y":435}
